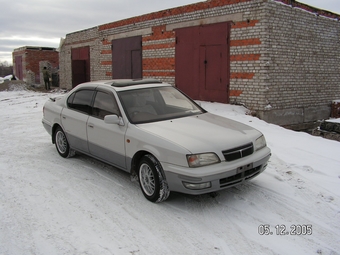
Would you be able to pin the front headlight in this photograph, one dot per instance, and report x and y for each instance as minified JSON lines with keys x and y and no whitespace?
{"x":204,"y":159}
{"x":260,"y":143}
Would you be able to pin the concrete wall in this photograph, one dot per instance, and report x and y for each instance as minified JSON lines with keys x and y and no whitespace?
{"x":284,"y":58}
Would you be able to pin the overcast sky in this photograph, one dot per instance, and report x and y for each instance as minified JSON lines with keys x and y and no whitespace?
{"x":44,"y":22}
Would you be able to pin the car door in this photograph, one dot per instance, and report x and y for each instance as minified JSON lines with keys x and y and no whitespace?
{"x":75,"y":116}
{"x":106,"y":141}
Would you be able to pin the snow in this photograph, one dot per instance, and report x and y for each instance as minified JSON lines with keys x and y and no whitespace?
{"x":52,"y":205}
{"x":6,"y":78}
{"x":334,"y":120}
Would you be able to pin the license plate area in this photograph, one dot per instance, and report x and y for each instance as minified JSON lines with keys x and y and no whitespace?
{"x":241,"y":169}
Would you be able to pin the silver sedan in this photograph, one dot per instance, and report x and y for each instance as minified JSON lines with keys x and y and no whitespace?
{"x":154,"y":131}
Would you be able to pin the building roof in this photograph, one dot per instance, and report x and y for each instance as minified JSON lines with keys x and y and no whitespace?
{"x":35,"y":48}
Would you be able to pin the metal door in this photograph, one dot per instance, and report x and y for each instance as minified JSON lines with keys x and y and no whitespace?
{"x":18,"y":67}
{"x":213,"y":79}
{"x":136,"y":64}
{"x":80,"y":65}
{"x":78,"y":72}
{"x":203,"y":62}
{"x":186,"y":61}
{"x":127,"y":58}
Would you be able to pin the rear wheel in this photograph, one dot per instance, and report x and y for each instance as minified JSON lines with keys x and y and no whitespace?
{"x":152,"y":180}
{"x":62,"y":144}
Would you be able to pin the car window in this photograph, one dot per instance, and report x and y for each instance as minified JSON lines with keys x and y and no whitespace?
{"x":81,"y":101}
{"x":173,"y":98}
{"x":155,"y":104}
{"x":104,"y":104}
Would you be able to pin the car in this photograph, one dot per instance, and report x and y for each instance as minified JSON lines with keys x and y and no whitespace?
{"x":154,"y":131}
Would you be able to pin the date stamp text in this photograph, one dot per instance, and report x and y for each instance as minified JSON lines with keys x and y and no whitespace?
{"x":282,"y":230}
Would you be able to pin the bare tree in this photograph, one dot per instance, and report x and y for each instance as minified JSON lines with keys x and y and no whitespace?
{"x":5,"y":68}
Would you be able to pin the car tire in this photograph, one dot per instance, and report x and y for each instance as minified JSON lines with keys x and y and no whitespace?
{"x":152,"y":180}
{"x":62,"y":144}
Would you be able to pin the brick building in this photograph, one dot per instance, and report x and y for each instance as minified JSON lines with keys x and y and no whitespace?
{"x":28,"y":63}
{"x":279,"y":58}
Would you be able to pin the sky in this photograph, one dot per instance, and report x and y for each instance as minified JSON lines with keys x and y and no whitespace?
{"x":44,"y":22}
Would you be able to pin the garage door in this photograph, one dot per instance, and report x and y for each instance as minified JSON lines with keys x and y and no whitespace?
{"x":203,"y":62}
{"x":127,"y":58}
{"x":18,"y":67}
{"x":80,"y":65}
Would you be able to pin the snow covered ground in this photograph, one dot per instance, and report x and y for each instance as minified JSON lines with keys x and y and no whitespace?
{"x":6,"y":78}
{"x":51,"y":205}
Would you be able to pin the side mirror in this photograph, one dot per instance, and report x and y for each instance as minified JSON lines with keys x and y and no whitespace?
{"x":114,"y":119}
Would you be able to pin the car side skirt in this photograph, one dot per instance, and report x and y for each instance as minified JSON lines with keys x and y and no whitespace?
{"x":108,"y":156}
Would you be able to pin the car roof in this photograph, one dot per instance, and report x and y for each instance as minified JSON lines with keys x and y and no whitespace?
{"x":128,"y":82}
{"x":125,"y":84}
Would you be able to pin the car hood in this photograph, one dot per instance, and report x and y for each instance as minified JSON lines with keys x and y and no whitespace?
{"x":203,"y":133}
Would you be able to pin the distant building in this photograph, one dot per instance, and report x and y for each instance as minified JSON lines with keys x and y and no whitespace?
{"x":280,"y":58}
{"x":28,"y":63}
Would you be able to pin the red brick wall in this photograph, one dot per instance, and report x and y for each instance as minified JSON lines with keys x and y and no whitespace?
{"x":171,"y":12}
{"x":33,"y":57}
{"x":243,"y":57}
{"x":160,"y":34}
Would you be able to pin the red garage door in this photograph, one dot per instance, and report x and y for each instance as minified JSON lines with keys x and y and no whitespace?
{"x":203,"y":62}
{"x":127,"y":58}
{"x":80,"y":65}
{"x":18,"y":67}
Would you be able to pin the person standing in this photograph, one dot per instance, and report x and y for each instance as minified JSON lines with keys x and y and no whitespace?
{"x":47,"y":77}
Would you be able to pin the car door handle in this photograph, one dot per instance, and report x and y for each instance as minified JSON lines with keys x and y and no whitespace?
{"x":64,"y":117}
{"x":90,"y":125}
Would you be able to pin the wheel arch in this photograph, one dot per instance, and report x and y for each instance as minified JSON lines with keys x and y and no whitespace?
{"x":55,"y":126}
{"x":136,"y":159}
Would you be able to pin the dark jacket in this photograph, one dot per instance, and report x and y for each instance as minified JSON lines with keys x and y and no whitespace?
{"x":46,"y":74}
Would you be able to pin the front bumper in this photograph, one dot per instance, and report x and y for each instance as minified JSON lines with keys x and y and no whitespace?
{"x":220,"y":176}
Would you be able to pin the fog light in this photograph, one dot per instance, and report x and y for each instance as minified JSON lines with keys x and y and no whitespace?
{"x":196,"y":186}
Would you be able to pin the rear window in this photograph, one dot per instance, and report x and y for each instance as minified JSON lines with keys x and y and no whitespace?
{"x":81,"y":101}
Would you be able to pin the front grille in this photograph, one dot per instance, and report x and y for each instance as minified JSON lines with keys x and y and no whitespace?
{"x":238,"y":152}
{"x":237,"y":178}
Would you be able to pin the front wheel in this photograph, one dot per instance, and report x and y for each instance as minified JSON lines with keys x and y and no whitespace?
{"x":62,"y":144}
{"x":152,"y":180}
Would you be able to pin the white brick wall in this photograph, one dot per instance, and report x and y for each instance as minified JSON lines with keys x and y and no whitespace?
{"x":298,"y":69}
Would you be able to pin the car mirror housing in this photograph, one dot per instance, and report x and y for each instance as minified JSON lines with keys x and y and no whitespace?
{"x":114,"y":119}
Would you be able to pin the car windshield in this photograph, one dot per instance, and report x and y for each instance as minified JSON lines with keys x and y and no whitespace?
{"x":156,"y":104}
